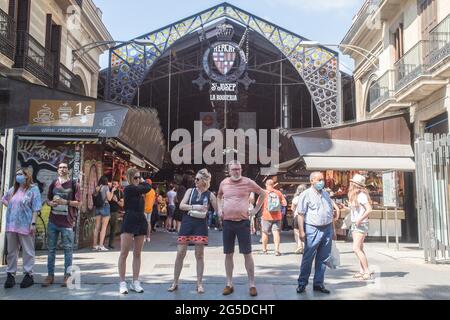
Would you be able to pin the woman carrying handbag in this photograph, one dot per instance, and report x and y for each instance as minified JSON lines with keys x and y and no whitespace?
{"x":194,"y":226}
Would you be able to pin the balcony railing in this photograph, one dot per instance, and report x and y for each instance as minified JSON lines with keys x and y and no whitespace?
{"x":411,"y":65}
{"x":381,"y":90}
{"x":33,"y":57}
{"x":68,"y":80}
{"x":7,"y":35}
{"x":439,"y":43}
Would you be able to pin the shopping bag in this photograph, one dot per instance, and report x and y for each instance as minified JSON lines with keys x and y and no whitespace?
{"x":334,"y":260}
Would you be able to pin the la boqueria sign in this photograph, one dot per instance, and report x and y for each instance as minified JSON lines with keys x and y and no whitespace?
{"x":225,"y":65}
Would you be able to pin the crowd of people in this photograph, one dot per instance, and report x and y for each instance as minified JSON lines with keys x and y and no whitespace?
{"x":239,"y":209}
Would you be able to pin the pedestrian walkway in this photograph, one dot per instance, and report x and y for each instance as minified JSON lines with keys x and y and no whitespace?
{"x":399,"y":274}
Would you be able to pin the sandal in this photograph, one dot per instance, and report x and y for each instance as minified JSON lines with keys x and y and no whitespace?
{"x":264,"y":252}
{"x":367,"y":276}
{"x":200,"y":289}
{"x":173,"y":288}
{"x":358,"y":275}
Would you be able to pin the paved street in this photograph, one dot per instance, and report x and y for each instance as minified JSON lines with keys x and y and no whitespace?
{"x":399,"y":274}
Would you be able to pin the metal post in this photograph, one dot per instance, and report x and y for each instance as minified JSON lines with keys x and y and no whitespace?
{"x":9,"y":165}
{"x":107,"y":92}
{"x":396,"y":230}
{"x":168,"y":108}
{"x":138,"y":96}
{"x":386,"y":225}
{"x":225,"y":111}
{"x":281,"y":92}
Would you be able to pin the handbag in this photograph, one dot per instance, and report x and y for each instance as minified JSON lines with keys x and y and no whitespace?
{"x":347,"y":223}
{"x":195,"y":213}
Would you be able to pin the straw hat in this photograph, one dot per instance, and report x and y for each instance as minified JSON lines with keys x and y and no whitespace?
{"x":359,"y":180}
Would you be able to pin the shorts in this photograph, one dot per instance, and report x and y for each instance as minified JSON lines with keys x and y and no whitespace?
{"x":170,"y":211}
{"x":239,"y":229}
{"x":104,"y":211}
{"x":270,"y":225}
{"x":148,"y":215}
{"x":363,"y":228}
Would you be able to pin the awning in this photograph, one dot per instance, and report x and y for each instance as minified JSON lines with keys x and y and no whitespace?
{"x":377,"y":145}
{"x":38,"y":111}
{"x":359,"y":163}
{"x":279,"y":168}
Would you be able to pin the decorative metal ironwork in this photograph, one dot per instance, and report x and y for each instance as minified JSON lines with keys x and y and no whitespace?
{"x":7,"y":35}
{"x":68,"y":80}
{"x":33,"y":57}
{"x":318,"y":66}
{"x":381,"y":90}
{"x":410,"y":66}
{"x":439,"y":44}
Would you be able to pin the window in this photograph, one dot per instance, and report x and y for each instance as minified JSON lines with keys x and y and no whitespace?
{"x":427,"y":10}
{"x":398,"y":42}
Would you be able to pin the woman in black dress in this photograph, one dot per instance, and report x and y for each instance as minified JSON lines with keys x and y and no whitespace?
{"x":194,"y":231}
{"x":134,"y":227}
{"x":186,"y":183}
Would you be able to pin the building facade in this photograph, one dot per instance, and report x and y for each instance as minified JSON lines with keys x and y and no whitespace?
{"x":403,"y":60}
{"x":401,"y":50}
{"x":40,"y":42}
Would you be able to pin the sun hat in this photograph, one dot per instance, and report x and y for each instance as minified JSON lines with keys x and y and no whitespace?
{"x":359,"y":180}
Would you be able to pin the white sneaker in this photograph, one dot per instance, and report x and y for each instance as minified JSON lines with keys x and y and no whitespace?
{"x":96,"y":248}
{"x":123,"y":289}
{"x":102,"y":248}
{"x":136,"y":286}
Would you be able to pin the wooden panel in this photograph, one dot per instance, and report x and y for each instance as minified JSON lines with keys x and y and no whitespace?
{"x":359,"y":132}
{"x":341,"y":133}
{"x":375,"y":132}
{"x":391,"y":131}
{"x":405,"y":133}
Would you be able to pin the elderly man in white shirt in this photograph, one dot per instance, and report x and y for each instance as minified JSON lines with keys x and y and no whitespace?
{"x":315,"y":220}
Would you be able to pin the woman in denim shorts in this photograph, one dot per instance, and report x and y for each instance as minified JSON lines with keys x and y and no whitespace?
{"x":102,"y":214}
{"x":360,"y":206}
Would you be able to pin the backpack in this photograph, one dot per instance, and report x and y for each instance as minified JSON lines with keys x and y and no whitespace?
{"x":98,"y":199}
{"x":273,"y":202}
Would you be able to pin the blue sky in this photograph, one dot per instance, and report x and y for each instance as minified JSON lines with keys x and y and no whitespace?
{"x":325,"y":21}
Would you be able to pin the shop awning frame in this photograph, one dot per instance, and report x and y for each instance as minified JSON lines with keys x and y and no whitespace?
{"x":137,"y":128}
{"x":359,"y":163}
{"x":377,"y":145}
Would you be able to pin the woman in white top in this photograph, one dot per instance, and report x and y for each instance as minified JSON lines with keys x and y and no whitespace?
{"x":360,"y":206}
{"x":299,"y":242}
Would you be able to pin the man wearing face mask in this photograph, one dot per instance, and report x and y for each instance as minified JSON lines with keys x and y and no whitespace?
{"x":315,"y":221}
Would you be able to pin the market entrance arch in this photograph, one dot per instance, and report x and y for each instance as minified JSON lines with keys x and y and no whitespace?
{"x":318,"y":67}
